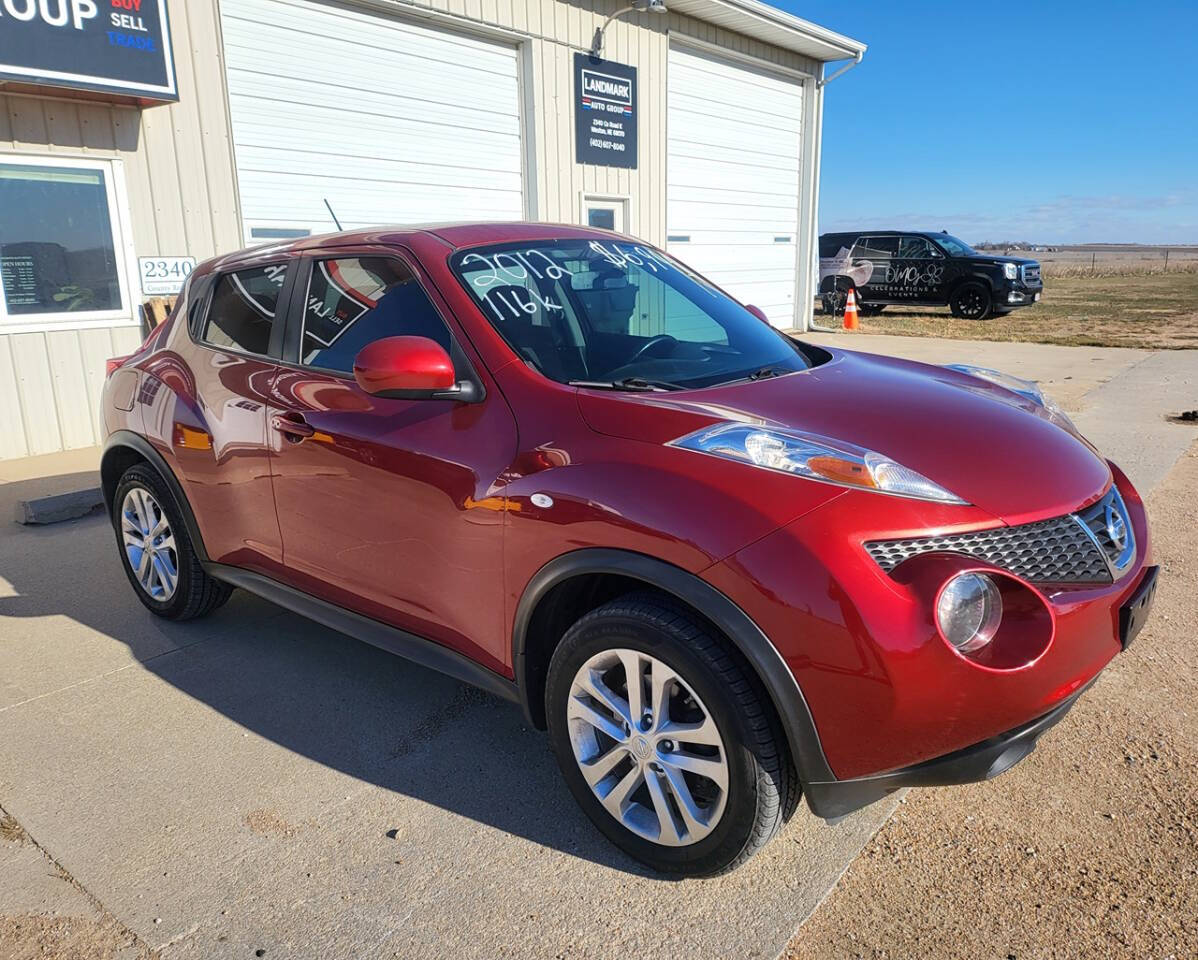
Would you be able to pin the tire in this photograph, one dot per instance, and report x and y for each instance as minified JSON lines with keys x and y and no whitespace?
{"x":836,"y":298}
{"x":708,"y":682}
{"x":142,"y":502}
{"x":971,"y":301}
{"x":870,"y":309}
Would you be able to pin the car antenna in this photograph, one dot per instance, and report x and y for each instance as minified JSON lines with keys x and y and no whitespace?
{"x":331,"y":214}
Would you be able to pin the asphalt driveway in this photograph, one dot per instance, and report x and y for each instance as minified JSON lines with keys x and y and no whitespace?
{"x":253,"y":784}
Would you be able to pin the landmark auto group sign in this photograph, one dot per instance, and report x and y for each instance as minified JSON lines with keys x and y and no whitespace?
{"x":115,"y":46}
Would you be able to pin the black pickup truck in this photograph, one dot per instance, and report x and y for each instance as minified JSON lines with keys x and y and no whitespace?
{"x":935,"y":269}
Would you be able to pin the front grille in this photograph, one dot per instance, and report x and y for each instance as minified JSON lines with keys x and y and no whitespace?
{"x":1048,"y":551}
{"x":1031,"y":273}
{"x":1096,"y":518}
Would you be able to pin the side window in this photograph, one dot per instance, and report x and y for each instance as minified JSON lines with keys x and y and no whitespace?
{"x":916,"y":248}
{"x":243,"y":308}
{"x":875,"y":248}
{"x":354,"y":301}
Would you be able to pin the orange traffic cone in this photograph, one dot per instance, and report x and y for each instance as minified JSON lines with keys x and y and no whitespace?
{"x":850,"y":312}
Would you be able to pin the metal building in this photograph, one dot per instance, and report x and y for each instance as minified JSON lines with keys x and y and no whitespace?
{"x":138,"y":136}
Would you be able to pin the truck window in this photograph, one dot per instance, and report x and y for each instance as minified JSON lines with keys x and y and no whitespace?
{"x":875,"y":248}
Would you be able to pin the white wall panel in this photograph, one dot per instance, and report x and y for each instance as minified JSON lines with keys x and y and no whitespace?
{"x":732,"y":168}
{"x":391,"y":120}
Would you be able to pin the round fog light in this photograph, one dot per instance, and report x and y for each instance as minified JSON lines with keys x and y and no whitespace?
{"x":968,"y":611}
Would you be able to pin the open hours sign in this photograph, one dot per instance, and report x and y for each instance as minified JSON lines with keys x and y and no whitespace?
{"x":115,"y":46}
{"x":604,"y":112}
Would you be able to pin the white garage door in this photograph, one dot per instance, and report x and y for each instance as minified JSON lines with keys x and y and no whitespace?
{"x":390,"y":121}
{"x":733,"y":177}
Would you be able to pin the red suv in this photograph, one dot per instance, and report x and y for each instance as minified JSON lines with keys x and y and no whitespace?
{"x":722,"y":566}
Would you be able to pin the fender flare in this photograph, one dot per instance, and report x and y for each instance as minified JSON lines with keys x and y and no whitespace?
{"x":127,"y":439}
{"x":763,"y":657}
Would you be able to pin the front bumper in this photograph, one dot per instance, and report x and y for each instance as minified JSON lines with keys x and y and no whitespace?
{"x":885,"y":692}
{"x":1015,"y":293}
{"x":981,"y":761}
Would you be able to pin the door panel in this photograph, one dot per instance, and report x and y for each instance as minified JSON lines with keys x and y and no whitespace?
{"x":391,"y":508}
{"x":206,"y":403}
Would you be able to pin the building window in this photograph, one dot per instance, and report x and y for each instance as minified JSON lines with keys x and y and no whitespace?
{"x":62,"y":257}
{"x":606,"y":213}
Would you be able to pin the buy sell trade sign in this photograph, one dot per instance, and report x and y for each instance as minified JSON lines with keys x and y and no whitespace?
{"x":114,"y":46}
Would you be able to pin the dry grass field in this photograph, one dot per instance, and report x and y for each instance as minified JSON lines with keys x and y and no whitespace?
{"x":1109,"y":259}
{"x":1128,"y":308}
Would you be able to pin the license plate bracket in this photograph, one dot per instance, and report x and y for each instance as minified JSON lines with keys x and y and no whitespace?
{"x":1134,"y":613}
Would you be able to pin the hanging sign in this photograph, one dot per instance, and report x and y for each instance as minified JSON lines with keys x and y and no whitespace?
{"x":604,"y":112}
{"x":114,"y":46}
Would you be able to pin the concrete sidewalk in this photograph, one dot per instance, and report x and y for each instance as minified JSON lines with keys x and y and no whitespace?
{"x":252,"y":781}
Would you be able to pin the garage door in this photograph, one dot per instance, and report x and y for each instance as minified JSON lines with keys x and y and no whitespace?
{"x":390,"y":121}
{"x":733,"y":177}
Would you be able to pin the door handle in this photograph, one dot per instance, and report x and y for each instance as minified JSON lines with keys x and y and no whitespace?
{"x":294,"y":430}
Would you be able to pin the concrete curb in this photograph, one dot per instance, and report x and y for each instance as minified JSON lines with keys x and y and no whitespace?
{"x":62,"y":506}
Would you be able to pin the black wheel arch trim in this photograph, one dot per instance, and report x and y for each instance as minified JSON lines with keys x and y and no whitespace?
{"x":780,"y":684}
{"x":127,"y":439}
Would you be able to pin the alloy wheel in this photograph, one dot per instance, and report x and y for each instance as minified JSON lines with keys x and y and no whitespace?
{"x":971,"y":302}
{"x":149,"y":544}
{"x":648,"y":747}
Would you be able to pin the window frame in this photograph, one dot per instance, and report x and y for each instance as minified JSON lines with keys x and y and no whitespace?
{"x":120,"y":225}
{"x":211,"y":281}
{"x":291,"y":352}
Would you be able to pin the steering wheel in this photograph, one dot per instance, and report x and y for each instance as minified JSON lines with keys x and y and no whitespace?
{"x":650,"y":345}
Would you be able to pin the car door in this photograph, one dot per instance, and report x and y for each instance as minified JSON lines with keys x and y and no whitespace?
{"x":920,"y":268}
{"x":206,"y":403}
{"x":391,"y":508}
{"x":870,"y":268}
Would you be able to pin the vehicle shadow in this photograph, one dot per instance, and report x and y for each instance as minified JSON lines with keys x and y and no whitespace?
{"x":325,"y":696}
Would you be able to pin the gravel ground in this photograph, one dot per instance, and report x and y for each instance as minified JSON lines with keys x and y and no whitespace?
{"x":1089,"y":848}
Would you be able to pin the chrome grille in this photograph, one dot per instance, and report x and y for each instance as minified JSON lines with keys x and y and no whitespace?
{"x":1031,"y":273}
{"x":1060,"y":550}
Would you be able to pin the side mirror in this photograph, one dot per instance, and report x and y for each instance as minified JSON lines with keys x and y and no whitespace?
{"x":757,"y":312}
{"x":409,"y":368}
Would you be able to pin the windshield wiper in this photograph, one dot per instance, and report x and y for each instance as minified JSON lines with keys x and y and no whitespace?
{"x":764,"y":373}
{"x":630,"y":384}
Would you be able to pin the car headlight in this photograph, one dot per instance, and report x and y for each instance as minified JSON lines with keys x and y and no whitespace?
{"x":814,"y":457}
{"x":1010,"y":271}
{"x":1027,"y":389}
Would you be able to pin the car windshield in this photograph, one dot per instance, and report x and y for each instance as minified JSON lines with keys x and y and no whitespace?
{"x":619,"y":314}
{"x":955,"y":247}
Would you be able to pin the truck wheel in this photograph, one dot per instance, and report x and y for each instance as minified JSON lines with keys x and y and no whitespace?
{"x":971,"y":301}
{"x":665,"y":739}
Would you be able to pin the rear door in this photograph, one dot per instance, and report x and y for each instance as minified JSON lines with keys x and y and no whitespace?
{"x":212,"y":416}
{"x":391,"y":508}
{"x":870,"y":268}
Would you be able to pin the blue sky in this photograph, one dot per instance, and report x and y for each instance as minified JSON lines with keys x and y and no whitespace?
{"x":1050,"y":121}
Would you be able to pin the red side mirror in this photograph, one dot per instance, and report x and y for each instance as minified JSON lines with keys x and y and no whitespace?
{"x":413,"y":368}
{"x":757,"y":312}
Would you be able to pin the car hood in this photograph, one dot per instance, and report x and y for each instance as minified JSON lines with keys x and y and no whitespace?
{"x":989,"y":446}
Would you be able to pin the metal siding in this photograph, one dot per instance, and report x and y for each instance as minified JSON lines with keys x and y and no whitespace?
{"x":733,"y":169}
{"x":425,"y":127}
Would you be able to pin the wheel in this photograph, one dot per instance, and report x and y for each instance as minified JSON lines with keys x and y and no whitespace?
{"x":156,"y":551}
{"x":664,"y":738}
{"x":971,"y":301}
{"x":835,"y":298}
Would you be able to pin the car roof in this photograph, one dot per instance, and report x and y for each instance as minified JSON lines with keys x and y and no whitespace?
{"x":455,"y":236}
{"x":884,"y":233}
